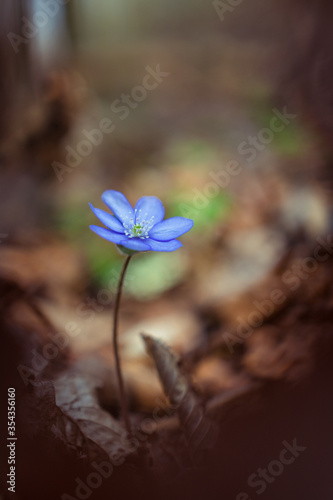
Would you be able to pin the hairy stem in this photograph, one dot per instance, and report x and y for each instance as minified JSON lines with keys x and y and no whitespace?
{"x":122,"y":397}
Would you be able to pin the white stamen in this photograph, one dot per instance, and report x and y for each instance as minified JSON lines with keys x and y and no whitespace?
{"x":138,"y":228}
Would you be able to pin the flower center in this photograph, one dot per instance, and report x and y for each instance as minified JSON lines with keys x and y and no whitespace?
{"x":138,"y":227}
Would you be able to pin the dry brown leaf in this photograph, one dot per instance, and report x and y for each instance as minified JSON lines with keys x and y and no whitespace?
{"x":214,"y":375}
{"x":77,"y":399}
{"x":69,"y":409}
{"x":198,"y":429}
{"x":272,"y":357}
{"x":54,"y":266}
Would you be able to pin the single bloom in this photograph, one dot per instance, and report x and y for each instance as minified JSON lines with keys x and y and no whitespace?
{"x":141,"y":228}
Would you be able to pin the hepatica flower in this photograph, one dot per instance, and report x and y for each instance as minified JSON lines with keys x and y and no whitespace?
{"x":133,"y":230}
{"x":141,"y":228}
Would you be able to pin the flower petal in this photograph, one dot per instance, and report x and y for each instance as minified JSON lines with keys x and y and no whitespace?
{"x":170,"y":228}
{"x":135,"y":244}
{"x":150,"y":206}
{"x":118,"y":204}
{"x":163,"y":246}
{"x":107,"y":234}
{"x":109,"y":220}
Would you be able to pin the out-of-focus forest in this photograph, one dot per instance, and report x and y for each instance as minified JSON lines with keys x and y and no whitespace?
{"x":223,"y":110}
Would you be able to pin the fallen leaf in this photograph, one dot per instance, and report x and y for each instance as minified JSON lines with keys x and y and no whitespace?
{"x":198,"y":429}
{"x":77,"y":399}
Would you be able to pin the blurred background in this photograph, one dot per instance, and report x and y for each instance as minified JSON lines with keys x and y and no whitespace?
{"x":224,"y":112}
{"x":78,"y":118}
{"x":154,"y":98}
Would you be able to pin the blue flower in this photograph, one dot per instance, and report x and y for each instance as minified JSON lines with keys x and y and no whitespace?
{"x":140,"y":229}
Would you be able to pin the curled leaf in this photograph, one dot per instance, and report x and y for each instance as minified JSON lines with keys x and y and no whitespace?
{"x":68,"y":408}
{"x":82,"y":421}
{"x":199,"y":431}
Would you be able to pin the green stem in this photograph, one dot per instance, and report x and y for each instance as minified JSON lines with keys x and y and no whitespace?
{"x":122,"y":397}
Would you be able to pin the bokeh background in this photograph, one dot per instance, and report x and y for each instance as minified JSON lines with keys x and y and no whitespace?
{"x":226,"y":71}
{"x":65,"y":66}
